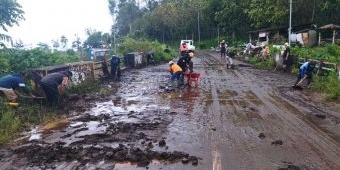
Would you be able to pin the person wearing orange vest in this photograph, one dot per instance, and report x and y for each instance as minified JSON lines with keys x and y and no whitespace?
{"x":183,"y":48}
{"x":175,"y":71}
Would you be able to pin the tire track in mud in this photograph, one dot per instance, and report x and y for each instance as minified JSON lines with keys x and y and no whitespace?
{"x":223,"y":132}
{"x":314,"y":138}
{"x":315,"y":109}
{"x":273,"y":114}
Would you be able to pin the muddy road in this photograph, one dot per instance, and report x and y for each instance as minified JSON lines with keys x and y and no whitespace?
{"x":236,"y":119}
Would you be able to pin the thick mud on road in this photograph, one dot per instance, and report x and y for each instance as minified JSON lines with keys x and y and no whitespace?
{"x":236,"y":119}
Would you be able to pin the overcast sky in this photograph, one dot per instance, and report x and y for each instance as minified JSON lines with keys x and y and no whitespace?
{"x":48,"y":20}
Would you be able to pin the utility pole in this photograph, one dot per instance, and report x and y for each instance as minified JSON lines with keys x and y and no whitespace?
{"x":218,"y":34}
{"x":114,"y":41}
{"x":114,"y":38}
{"x":198,"y":26}
{"x":290,"y":21}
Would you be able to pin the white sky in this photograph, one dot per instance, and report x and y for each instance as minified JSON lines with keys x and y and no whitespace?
{"x":48,"y":20}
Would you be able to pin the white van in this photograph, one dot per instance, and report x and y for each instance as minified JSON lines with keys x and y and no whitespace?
{"x":190,"y":44}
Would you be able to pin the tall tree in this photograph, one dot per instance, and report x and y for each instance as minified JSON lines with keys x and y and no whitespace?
{"x":10,"y":13}
{"x":55,"y":43}
{"x":128,"y":12}
{"x":265,"y":13}
{"x":94,"y":40}
{"x":63,"y":41}
{"x":231,"y":17}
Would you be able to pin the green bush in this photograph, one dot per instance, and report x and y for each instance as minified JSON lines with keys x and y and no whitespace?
{"x":20,"y":60}
{"x":329,"y":53}
{"x":202,"y":46}
{"x":328,"y":85}
{"x":132,"y":45}
{"x":261,"y":64}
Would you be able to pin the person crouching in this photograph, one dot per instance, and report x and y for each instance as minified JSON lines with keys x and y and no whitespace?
{"x":175,"y":71}
{"x":54,"y":85}
{"x":305,"y":72}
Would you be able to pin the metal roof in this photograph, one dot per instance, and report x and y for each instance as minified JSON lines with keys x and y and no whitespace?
{"x":330,"y":26}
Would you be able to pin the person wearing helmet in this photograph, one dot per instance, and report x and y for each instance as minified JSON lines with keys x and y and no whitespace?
{"x":175,"y":71}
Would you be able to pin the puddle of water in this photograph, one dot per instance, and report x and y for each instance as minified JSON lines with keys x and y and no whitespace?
{"x":93,"y":128}
{"x":127,"y":119}
{"x":76,"y":124}
{"x":34,"y":134}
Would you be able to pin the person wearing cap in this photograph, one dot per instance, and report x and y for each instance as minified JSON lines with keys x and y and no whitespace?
{"x":11,"y":84}
{"x":175,"y":71}
{"x":223,"y":48}
{"x":54,"y":85}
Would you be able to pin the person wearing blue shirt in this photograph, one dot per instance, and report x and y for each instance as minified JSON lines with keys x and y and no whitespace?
{"x":305,"y":71}
{"x":12,"y":83}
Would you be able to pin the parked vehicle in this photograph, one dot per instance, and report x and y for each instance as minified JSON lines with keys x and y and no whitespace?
{"x":249,"y":50}
{"x":190,"y":44}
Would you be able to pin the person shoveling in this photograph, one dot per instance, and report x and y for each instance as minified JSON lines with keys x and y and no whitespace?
{"x":305,"y":73}
{"x":176,"y":72}
{"x":12,"y":85}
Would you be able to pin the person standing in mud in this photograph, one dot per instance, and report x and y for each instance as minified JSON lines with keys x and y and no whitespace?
{"x":115,"y":68}
{"x":150,"y":58}
{"x":285,"y":56}
{"x":223,"y":49}
{"x":305,"y":72}
{"x":185,"y":62}
{"x":105,"y":67}
{"x":175,"y":71}
{"x":229,"y":59}
{"x":54,"y":85}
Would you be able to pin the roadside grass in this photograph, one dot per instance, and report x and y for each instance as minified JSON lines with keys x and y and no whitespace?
{"x":9,"y":125}
{"x":328,"y":85}
{"x":261,"y":64}
{"x":13,"y":120}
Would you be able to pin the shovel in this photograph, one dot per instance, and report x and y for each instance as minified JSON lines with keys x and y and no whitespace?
{"x":298,"y":85}
{"x":300,"y":82}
